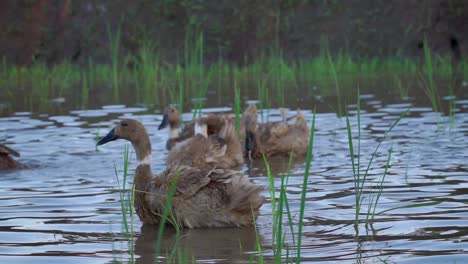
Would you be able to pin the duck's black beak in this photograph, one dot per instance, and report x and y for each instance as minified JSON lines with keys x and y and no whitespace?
{"x":164,"y":122}
{"x":249,"y":142}
{"x":108,"y":138}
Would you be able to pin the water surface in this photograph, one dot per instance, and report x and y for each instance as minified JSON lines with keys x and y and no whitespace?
{"x":65,"y":208}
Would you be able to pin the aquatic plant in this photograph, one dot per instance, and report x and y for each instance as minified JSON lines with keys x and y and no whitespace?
{"x":360,"y":179}
{"x":430,"y":85}
{"x":126,"y":203}
{"x":147,"y":79}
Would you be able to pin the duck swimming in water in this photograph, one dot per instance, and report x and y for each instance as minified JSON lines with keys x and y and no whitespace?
{"x":219,"y":148}
{"x":203,"y":197}
{"x":171,"y":118}
{"x":276,"y":138}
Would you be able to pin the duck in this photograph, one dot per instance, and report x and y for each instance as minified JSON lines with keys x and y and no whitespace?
{"x":171,"y":118}
{"x":276,"y":138}
{"x":203,"y":197}
{"x":6,"y":161}
{"x":220,"y":147}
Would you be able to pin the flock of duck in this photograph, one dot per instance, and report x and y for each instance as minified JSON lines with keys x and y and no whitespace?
{"x":200,"y":171}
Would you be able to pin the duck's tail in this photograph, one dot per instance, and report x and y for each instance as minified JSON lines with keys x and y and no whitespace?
{"x":246,"y":196}
{"x":300,"y":120}
{"x":228,"y":131}
{"x":251,"y":110}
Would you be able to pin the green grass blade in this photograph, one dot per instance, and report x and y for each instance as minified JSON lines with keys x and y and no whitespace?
{"x":304,"y":189}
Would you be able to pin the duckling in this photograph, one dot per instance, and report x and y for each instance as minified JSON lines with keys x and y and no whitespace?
{"x":276,"y":138}
{"x":202,"y":198}
{"x":6,"y":161}
{"x":218,"y":148}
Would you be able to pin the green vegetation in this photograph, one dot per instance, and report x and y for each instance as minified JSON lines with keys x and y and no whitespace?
{"x":126,"y":204}
{"x":114,"y":40}
{"x":361,"y":177}
{"x":277,"y":82}
{"x":429,"y":82}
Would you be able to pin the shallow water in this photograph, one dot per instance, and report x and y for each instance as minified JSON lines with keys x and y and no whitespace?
{"x":65,"y":209}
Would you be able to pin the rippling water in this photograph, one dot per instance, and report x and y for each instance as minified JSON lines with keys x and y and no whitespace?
{"x":65,"y":208}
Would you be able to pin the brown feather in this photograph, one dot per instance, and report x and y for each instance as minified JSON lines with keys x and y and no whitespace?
{"x":6,"y":161}
{"x":279,"y":138}
{"x":204,"y":197}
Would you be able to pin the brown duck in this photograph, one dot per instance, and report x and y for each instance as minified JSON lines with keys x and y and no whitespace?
{"x":171,"y":118}
{"x":218,"y":148}
{"x":6,"y":161}
{"x":203,"y":197}
{"x":276,"y":138}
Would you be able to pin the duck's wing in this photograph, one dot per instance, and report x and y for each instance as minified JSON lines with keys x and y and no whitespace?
{"x":188,"y":180}
{"x":217,"y":148}
{"x":279,"y":130}
{"x":239,"y":191}
{"x":6,"y":150}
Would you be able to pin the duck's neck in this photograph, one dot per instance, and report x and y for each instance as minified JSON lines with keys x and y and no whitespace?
{"x":143,"y":174}
{"x":174,"y":132}
{"x":174,"y":129}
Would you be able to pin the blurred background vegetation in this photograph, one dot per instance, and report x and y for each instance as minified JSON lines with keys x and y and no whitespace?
{"x":53,"y":31}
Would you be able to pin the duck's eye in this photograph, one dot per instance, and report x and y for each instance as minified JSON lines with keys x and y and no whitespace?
{"x":124,"y":124}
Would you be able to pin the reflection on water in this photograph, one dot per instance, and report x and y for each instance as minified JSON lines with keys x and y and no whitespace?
{"x":231,"y":244}
{"x":66,"y":208}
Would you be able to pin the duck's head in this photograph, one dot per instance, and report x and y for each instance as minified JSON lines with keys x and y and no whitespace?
{"x":129,"y":129}
{"x":171,"y":117}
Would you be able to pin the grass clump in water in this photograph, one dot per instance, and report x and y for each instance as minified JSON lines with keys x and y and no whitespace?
{"x":360,"y":178}
{"x":280,"y":207}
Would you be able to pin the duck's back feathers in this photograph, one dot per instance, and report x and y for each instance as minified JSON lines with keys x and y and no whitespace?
{"x":281,"y":137}
{"x":217,"y":147}
{"x":207,"y":197}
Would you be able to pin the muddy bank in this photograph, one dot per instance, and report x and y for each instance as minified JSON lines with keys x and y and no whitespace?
{"x":56,"y":30}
